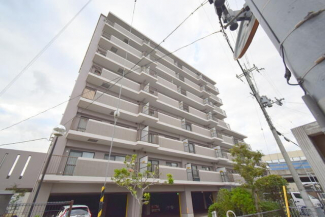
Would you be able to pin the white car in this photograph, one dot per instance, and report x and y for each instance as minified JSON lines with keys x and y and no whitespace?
{"x":76,"y":211}
{"x":300,"y":202}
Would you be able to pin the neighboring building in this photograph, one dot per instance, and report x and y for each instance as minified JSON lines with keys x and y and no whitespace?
{"x":278,"y":166}
{"x":169,"y":111}
{"x":312,"y":142}
{"x":18,"y":170}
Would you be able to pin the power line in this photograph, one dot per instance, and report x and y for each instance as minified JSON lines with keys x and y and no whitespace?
{"x":23,"y":141}
{"x":43,"y":50}
{"x":109,"y":82}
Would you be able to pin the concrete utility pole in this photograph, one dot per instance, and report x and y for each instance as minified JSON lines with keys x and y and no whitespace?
{"x":286,"y":157}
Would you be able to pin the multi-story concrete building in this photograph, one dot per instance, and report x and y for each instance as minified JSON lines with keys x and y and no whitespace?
{"x":169,"y":111}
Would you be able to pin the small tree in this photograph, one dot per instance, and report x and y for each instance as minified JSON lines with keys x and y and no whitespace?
{"x":238,"y":200}
{"x":137,"y":182}
{"x":248,"y":165}
{"x":271,"y":186}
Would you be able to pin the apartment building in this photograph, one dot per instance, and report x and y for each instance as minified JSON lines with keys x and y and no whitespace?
{"x":169,"y":111}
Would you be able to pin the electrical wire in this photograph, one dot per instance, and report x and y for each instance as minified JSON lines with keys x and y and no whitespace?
{"x":109,"y":82}
{"x":43,"y":50}
{"x":32,"y":140}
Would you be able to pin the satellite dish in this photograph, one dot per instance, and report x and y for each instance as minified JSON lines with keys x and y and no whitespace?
{"x":245,"y":36}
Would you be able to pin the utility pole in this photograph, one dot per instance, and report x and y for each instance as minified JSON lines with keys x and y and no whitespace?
{"x":286,"y":157}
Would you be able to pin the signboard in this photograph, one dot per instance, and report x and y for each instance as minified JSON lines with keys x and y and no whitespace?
{"x":245,"y":36}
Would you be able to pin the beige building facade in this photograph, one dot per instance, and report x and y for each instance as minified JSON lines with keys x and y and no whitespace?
{"x":169,"y":111}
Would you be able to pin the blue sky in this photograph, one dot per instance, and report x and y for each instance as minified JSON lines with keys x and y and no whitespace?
{"x":27,"y":26}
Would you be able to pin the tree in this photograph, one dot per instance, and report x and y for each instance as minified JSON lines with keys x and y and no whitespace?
{"x":238,"y":200}
{"x":248,"y":165}
{"x":137,"y":182}
{"x":271,"y":186}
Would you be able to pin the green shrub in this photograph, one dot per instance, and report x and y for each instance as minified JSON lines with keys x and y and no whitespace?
{"x":269,"y":206}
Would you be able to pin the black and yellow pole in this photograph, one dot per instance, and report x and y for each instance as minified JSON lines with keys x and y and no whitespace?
{"x":101,"y":202}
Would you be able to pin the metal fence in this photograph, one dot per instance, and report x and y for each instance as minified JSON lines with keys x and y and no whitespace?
{"x":299,"y":211}
{"x":49,"y":209}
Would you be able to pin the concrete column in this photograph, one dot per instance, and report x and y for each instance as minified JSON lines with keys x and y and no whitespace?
{"x":312,"y":155}
{"x":132,"y":206}
{"x":186,"y":204}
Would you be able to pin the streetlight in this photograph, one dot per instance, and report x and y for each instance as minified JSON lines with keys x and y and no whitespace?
{"x":57,"y":132}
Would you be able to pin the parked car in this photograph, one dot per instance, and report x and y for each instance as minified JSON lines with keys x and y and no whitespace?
{"x":76,"y":211}
{"x":297,"y":199}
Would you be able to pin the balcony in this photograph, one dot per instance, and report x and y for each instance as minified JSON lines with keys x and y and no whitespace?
{"x":215,"y":99}
{"x":166,"y":70}
{"x":228,"y":139}
{"x":192,"y":74}
{"x":126,"y":33}
{"x":194,"y":97}
{"x":167,"y":100}
{"x":197,"y":113}
{"x":73,"y":168}
{"x":167,"y":84}
{"x":223,"y":124}
{"x":219,"y":112}
{"x":166,"y":58}
{"x":192,"y":84}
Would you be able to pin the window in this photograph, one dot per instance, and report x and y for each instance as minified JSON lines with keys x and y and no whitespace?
{"x":154,"y":167}
{"x":89,"y":93}
{"x":195,"y":173}
{"x":115,"y":158}
{"x":206,"y":168}
{"x":297,"y":195}
{"x":114,"y":49}
{"x":72,"y":160}
{"x":13,"y":166}
{"x":188,"y":126}
{"x":191,"y":148}
{"x":25,"y":167}
{"x":171,"y":164}
{"x":82,"y":124}
{"x":186,"y":108}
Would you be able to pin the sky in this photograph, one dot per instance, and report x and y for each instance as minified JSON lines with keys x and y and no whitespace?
{"x":27,"y":26}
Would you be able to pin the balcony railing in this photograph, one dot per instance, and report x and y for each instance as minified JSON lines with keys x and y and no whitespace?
{"x":227,"y":177}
